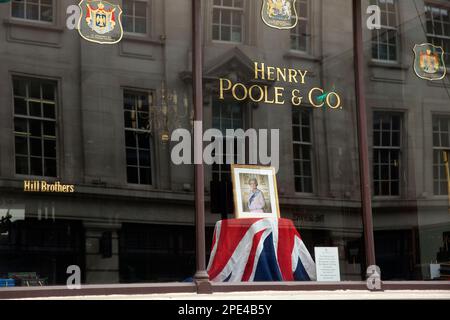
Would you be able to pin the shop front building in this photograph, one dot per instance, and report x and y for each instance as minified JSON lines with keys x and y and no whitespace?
{"x":87,"y":170}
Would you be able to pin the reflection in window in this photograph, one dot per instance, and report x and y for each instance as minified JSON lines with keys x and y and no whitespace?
{"x":35,"y":127}
{"x":226,"y":115}
{"x":156,"y":253}
{"x":438,"y":28}
{"x":228,"y":20}
{"x":300,"y":34}
{"x":134,"y":16}
{"x":138,"y":137}
{"x":302,"y":139}
{"x":441,"y":148}
{"x":39,"y":10}
{"x":386,"y":154}
{"x":384,"y":40}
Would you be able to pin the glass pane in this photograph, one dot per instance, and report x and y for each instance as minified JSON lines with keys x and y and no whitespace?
{"x":306,"y":134}
{"x":144,"y":120}
{"x":35,"y":147}
{"x":141,"y":9}
{"x":18,"y":9}
{"x":236,"y":34}
{"x":21,"y":165}
{"x":49,"y":128}
{"x":21,"y":145}
{"x":35,"y":109}
{"x":216,"y":32}
{"x":296,"y":152}
{"x":32,"y":11}
{"x":132,"y":157}
{"x":140,"y":25}
{"x":35,"y":128}
{"x":225,"y":33}
{"x":144,"y":141}
{"x":20,"y":106}
{"x":227,"y":3}
{"x":20,"y":88}
{"x":49,"y":110}
{"x":144,"y":158}
{"x":46,"y":13}
{"x":48,"y":91}
{"x":130,"y":119}
{"x":130,"y":139}
{"x":145,"y":176}
{"x":50,"y":148}
{"x":36,"y":166}
{"x":132,"y":174}
{"x":34,"y":89}
{"x":307,"y":168}
{"x":20,"y":126}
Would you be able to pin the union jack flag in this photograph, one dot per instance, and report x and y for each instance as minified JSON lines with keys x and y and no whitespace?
{"x":259,"y":250}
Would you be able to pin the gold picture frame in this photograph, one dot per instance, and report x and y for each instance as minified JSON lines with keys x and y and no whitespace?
{"x":255,"y":192}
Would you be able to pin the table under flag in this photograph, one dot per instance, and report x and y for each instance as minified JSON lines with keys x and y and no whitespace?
{"x":270,"y":249}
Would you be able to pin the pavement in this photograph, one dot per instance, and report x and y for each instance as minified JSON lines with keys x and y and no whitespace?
{"x":279,"y":295}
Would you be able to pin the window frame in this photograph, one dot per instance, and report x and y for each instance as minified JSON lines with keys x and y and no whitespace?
{"x":432,"y":36}
{"x":308,"y":21}
{"x":391,"y":148}
{"x":41,"y":119}
{"x":133,"y":17}
{"x":151,"y":97}
{"x":54,"y":7}
{"x":385,"y":29}
{"x":441,"y":149}
{"x":220,"y":172}
{"x":243,"y":11}
{"x":303,"y":143}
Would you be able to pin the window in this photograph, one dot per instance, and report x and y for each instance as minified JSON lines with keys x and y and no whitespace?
{"x":35,"y":127}
{"x":38,"y":10}
{"x":138,"y":137}
{"x":385,"y":40}
{"x":302,"y":140}
{"x":134,"y":16}
{"x":228,"y":20}
{"x":438,"y":28}
{"x":226,"y":115}
{"x":300,"y":34}
{"x":386,"y":154}
{"x":441,"y":148}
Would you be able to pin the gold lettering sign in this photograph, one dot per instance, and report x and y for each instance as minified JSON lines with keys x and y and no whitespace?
{"x":43,"y":186}
{"x":317,"y":97}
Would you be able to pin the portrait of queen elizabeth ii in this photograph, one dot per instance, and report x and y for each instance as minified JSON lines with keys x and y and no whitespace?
{"x":256,"y":202}
{"x":255,"y":192}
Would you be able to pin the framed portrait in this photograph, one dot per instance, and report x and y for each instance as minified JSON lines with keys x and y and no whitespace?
{"x":255,"y":192}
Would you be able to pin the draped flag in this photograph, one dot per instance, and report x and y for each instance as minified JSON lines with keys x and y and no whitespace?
{"x":259,"y":250}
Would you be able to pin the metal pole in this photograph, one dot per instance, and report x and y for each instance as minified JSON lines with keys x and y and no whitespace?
{"x":197,"y":69}
{"x":362,"y":134}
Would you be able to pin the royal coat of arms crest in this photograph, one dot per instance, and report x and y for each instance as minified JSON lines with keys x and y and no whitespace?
{"x":429,"y":63}
{"x":100,"y":21}
{"x":279,"y":14}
